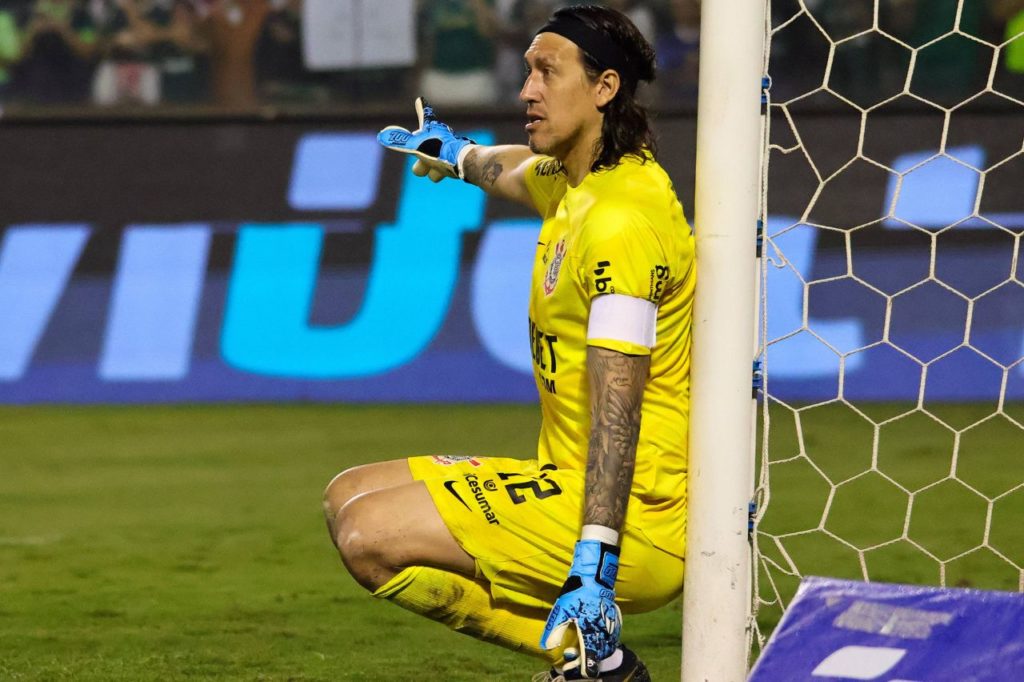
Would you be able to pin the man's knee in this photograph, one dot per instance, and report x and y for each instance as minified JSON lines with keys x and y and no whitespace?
{"x":339,"y":491}
{"x":357,"y":480}
{"x":385,"y":529}
{"x":363,"y":541}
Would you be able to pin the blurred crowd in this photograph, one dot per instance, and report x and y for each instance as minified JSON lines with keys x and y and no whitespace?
{"x":148,"y":52}
{"x":242,"y":53}
{"x":239,"y":53}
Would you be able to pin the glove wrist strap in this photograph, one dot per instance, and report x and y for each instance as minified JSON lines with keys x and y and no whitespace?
{"x":603,"y":534}
{"x":460,"y":157}
{"x":595,"y":560}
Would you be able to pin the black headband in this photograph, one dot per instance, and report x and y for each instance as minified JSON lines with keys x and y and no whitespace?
{"x":595,"y":43}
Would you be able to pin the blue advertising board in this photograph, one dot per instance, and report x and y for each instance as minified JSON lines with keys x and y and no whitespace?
{"x":242,"y":261}
{"x":838,"y":630}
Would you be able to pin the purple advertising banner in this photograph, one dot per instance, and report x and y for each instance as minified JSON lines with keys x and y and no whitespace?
{"x":842,"y":630}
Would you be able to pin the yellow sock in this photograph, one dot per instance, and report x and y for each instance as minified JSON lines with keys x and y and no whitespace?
{"x":465,"y":605}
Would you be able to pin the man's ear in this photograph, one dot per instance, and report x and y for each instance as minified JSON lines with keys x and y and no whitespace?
{"x":608,"y":85}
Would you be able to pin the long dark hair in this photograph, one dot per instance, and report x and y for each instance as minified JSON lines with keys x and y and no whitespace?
{"x":626,"y":130}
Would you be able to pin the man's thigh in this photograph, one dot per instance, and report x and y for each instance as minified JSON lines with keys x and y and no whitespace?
{"x":383,"y":531}
{"x":363,"y":479}
{"x":373,"y":476}
{"x":520,"y":523}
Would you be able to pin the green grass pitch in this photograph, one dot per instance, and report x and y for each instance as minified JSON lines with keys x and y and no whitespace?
{"x":188,"y":543}
{"x":174,"y":543}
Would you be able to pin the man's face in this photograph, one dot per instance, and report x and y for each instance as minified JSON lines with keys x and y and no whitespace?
{"x":559,"y":97}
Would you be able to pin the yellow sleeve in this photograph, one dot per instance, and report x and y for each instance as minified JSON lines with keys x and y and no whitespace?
{"x":621,"y":254}
{"x":545,"y":181}
{"x":620,"y":346}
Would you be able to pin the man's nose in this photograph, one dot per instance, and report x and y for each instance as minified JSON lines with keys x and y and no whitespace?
{"x":528,"y":93}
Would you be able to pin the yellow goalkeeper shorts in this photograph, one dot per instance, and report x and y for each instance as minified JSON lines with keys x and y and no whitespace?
{"x":520,"y":523}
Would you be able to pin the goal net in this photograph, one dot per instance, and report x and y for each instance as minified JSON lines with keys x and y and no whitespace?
{"x":892,"y":427}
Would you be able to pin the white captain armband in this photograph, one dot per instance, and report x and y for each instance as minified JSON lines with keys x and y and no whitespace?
{"x":623,"y":318}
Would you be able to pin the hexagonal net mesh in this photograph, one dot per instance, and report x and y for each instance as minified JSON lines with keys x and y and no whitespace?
{"x":892,"y":428}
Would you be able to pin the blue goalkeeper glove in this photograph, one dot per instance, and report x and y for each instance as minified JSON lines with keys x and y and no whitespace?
{"x":439,"y":149}
{"x":587,"y":605}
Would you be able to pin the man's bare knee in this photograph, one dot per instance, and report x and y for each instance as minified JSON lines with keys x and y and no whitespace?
{"x":361,"y":543}
{"x":381,"y":532}
{"x":339,"y":491}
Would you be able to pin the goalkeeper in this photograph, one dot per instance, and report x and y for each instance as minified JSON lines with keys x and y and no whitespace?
{"x":540,"y":555}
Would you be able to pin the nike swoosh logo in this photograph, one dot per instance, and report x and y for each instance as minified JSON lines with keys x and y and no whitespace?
{"x":450,"y":487}
{"x":542,"y":243}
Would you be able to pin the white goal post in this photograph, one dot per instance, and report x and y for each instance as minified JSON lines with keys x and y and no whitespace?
{"x":717,"y":598}
{"x":893,"y":395}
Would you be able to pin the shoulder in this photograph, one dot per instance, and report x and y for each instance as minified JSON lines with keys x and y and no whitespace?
{"x":639,"y":191}
{"x":635,"y":180}
{"x":636,"y":203}
{"x":614,"y":218}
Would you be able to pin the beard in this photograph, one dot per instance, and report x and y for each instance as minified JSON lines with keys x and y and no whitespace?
{"x":536,"y":147}
{"x":550,"y":147}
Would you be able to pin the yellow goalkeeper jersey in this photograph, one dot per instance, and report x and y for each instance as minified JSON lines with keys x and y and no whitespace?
{"x":621,"y":231}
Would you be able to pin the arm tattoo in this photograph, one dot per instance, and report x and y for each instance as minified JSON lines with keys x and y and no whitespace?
{"x":482,"y":174}
{"x":616,"y":391}
{"x":492,"y":170}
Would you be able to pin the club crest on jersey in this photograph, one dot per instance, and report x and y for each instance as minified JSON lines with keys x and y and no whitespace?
{"x":448,"y":460}
{"x":551,"y":278}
